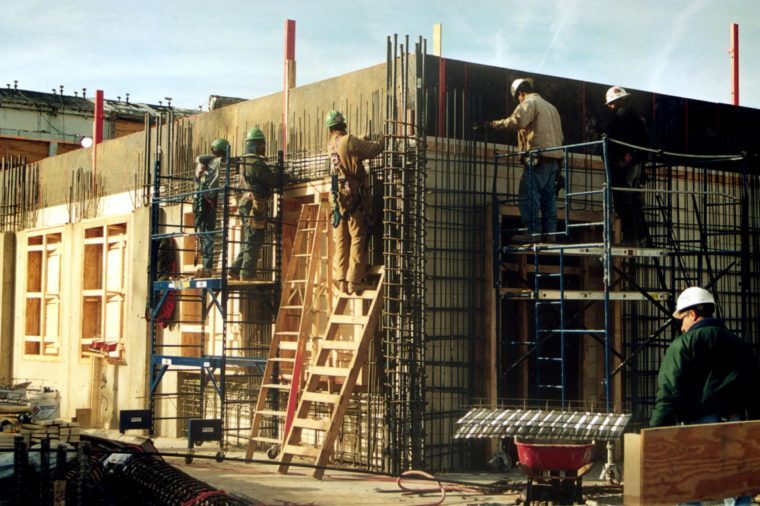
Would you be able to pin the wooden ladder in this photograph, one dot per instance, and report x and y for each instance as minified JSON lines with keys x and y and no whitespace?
{"x":333,"y":374}
{"x":283,"y":370}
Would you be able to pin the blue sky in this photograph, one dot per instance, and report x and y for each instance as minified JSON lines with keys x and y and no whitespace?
{"x":190,"y":49}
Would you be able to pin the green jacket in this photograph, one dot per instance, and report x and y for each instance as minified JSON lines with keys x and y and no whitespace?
{"x":257,"y":175}
{"x":706,"y":371}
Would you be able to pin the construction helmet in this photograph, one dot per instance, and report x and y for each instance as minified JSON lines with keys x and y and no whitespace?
{"x":334,"y":118}
{"x":219,"y":145}
{"x":615,"y":93}
{"x":690,"y":298}
{"x":525,"y":83}
{"x":255,"y":134}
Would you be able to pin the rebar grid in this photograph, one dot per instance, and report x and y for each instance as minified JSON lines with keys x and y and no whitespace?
{"x":708,"y":215}
{"x":403,"y":318}
{"x":19,"y":193}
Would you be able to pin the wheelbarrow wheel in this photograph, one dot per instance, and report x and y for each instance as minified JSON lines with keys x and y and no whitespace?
{"x":273,"y":451}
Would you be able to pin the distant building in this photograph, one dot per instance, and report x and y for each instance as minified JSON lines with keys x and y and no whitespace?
{"x":36,"y":125}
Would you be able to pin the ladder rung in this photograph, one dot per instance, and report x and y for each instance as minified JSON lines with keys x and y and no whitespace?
{"x":339,"y":345}
{"x":328,"y":371}
{"x":261,"y":439}
{"x":269,"y":412}
{"x":311,"y":423}
{"x":282,"y":359}
{"x":321,"y":397}
{"x":276,"y":386}
{"x":304,"y":451}
{"x":307,"y":229}
{"x":292,"y":307}
{"x":348,"y":319}
{"x":286,"y":332}
{"x":288,"y":345}
{"x":366,"y":294}
{"x":302,"y":255}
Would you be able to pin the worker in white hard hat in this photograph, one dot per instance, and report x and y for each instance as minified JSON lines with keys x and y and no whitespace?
{"x":538,"y":126}
{"x":626,"y":164}
{"x":708,"y":374}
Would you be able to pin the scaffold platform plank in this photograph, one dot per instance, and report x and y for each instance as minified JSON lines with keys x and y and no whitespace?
{"x":529,"y":294}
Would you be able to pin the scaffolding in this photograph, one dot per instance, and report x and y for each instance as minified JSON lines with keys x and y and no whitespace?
{"x":579,"y":285}
{"x":221,"y":331}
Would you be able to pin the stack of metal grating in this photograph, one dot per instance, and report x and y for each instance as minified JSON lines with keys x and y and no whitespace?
{"x":480,"y":423}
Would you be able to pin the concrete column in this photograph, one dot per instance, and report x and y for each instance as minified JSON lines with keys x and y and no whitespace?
{"x":7,"y":278}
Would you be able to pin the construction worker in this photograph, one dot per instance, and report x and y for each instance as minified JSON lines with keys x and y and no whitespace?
{"x":253,"y":204}
{"x":352,"y":200}
{"x":708,"y":374}
{"x":207,"y":170}
{"x":626,"y":164}
{"x":538,"y":126}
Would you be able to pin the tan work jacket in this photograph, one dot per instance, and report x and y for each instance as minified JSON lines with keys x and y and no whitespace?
{"x":537,"y":123}
{"x":351,"y":151}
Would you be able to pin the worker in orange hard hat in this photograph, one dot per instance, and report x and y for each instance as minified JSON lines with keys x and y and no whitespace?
{"x":626,"y":165}
{"x":352,"y":199}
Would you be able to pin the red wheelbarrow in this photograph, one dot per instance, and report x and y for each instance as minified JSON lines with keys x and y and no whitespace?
{"x":554,"y":470}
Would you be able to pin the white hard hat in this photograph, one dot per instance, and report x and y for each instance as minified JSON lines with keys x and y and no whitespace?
{"x":517,"y":82}
{"x":694,"y":296}
{"x":615,"y":93}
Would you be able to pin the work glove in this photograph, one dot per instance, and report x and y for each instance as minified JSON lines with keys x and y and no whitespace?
{"x":481,"y":126}
{"x":335,"y":218}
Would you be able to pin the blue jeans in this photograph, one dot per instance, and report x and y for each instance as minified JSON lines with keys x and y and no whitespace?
{"x":728,"y":501}
{"x":537,"y":191}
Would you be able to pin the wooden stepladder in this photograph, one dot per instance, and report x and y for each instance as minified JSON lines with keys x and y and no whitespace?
{"x":331,"y":378}
{"x":281,"y":381}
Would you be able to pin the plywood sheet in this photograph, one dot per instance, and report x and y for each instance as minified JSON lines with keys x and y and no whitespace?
{"x":695,"y":462}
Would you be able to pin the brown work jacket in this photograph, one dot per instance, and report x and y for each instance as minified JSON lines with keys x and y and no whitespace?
{"x":351,"y":151}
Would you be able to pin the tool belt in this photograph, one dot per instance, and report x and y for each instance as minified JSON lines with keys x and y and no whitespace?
{"x":351,"y":195}
{"x":259,"y":213}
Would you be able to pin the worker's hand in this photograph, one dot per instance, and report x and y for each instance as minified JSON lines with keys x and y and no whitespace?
{"x":482,"y":126}
{"x":200,"y":169}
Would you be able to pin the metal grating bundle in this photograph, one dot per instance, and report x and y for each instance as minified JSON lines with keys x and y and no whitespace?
{"x":481,"y":423}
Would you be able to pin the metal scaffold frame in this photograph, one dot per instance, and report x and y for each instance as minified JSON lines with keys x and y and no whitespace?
{"x":219,"y":349}
{"x":691,"y":238}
